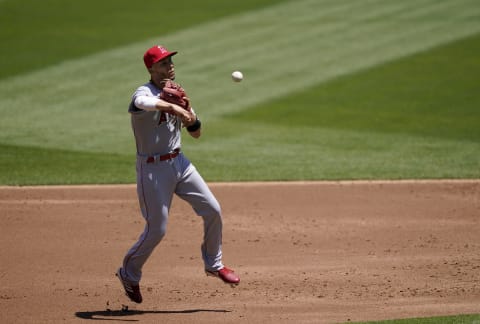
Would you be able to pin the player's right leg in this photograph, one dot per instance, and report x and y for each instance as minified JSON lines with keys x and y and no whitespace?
{"x":155,"y":197}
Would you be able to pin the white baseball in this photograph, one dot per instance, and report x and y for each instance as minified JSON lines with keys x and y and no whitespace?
{"x":237,"y":76}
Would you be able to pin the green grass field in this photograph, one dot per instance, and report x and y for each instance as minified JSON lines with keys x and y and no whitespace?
{"x":371,"y":90}
{"x":375,"y":89}
{"x":463,"y":319}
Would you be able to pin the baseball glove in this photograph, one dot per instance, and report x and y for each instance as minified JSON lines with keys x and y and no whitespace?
{"x":172,"y":92}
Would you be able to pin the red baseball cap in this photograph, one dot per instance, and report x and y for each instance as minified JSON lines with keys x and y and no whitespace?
{"x":155,"y":54}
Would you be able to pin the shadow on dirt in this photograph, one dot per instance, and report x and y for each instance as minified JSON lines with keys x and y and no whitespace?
{"x":116,"y":315}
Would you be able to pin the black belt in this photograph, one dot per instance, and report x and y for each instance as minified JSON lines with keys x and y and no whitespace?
{"x":164,"y":157}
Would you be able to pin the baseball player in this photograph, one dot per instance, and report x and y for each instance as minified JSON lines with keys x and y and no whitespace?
{"x":163,"y":170}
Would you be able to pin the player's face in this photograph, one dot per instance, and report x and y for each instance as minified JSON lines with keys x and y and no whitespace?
{"x":163,"y":69}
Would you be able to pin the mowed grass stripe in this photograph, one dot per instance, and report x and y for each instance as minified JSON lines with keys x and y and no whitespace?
{"x":312,"y":47}
{"x":313,"y":22}
{"x":260,"y":27}
{"x":322,"y":53}
{"x":321,"y":153}
{"x":304,"y":42}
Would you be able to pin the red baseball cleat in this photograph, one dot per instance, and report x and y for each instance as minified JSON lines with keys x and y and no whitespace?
{"x":131,"y":290}
{"x":227,"y":275}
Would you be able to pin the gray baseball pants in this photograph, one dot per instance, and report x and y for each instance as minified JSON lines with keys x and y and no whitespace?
{"x":156,"y":184}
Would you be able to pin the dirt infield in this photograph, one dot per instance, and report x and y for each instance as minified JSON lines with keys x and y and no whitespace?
{"x":314,"y":252}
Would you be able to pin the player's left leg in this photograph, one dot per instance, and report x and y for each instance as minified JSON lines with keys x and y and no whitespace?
{"x":196,"y":192}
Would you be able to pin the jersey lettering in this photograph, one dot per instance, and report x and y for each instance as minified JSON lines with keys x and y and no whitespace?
{"x":169,"y":118}
{"x":163,"y":118}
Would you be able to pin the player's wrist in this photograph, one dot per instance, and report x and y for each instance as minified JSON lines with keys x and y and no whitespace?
{"x":195,"y":126}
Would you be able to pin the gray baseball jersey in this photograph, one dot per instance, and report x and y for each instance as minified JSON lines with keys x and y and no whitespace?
{"x":156,"y":132}
{"x":163,"y":170}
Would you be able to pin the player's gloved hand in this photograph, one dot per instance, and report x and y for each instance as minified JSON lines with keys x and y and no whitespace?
{"x":172,"y":92}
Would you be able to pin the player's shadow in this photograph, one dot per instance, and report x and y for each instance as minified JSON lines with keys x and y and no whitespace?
{"x":120,"y":315}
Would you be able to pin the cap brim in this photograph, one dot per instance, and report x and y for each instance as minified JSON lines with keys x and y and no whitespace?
{"x":165,"y":56}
